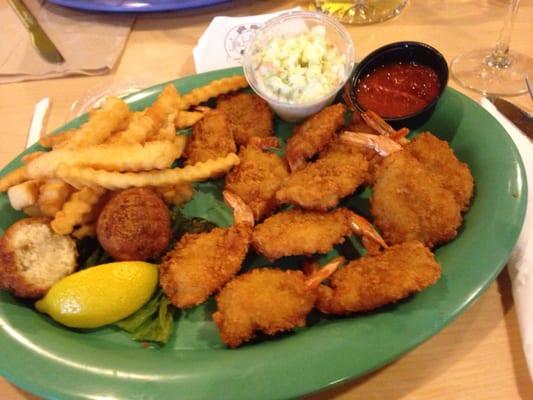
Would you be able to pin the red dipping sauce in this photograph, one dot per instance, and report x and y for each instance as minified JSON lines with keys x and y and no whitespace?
{"x":398,"y":89}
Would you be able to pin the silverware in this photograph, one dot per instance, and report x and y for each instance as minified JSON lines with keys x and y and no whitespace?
{"x":529,"y":87}
{"x":38,"y":121}
{"x":40,"y":39}
{"x":522,"y":119}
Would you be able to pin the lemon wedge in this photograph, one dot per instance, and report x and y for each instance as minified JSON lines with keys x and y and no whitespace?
{"x":100,"y":295}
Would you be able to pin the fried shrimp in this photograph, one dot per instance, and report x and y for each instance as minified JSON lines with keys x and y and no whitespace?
{"x":439,"y":159}
{"x":296,"y":232}
{"x":200,"y":264}
{"x":373,"y":281}
{"x":420,"y":188}
{"x":320,"y":185}
{"x":266,"y":299}
{"x":211,"y":138}
{"x":409,"y":203}
{"x":249,"y":115}
{"x":258,"y":176}
{"x":313,"y":135}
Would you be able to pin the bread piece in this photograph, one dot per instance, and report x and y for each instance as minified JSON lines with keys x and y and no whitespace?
{"x":33,"y":258}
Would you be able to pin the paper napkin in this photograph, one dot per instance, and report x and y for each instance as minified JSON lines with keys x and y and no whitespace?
{"x":91,"y":43}
{"x":223,"y":43}
{"x":520,"y":264}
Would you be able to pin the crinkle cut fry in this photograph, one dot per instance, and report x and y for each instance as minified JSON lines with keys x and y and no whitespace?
{"x":176,"y":194}
{"x":79,"y":177}
{"x":53,"y":195}
{"x":213,"y":89}
{"x":113,"y":157}
{"x":32,"y":156}
{"x":140,"y":128}
{"x":75,"y":209}
{"x":24,"y":194}
{"x":101,"y":124}
{"x":50,"y":141}
{"x":165,"y":106}
{"x":13,"y":178}
{"x":87,"y":230}
{"x":185,"y":119}
{"x":166,"y":132}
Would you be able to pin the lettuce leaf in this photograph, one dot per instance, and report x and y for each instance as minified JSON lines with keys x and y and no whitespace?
{"x":207,"y":204}
{"x":151,"y":323}
{"x":154,"y":322}
{"x":90,"y":253}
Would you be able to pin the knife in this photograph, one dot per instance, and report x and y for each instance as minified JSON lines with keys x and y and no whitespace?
{"x":40,"y":39}
{"x":519,"y":117}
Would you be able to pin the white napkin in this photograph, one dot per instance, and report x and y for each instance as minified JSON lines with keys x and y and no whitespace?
{"x":91,"y":43}
{"x":520,"y":264}
{"x":223,"y":42}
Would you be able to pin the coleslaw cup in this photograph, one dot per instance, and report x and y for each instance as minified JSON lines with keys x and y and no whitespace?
{"x":292,"y":24}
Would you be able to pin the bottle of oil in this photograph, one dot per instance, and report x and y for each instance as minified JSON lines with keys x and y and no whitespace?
{"x":361,"y":11}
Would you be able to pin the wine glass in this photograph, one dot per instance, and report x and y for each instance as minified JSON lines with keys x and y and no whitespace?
{"x":361,"y":12}
{"x":497,"y":71}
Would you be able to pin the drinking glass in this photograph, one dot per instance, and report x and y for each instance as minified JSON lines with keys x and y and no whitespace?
{"x":495,"y":71}
{"x":361,"y":11}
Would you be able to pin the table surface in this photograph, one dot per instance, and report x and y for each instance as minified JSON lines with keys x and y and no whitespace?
{"x":479,"y":355}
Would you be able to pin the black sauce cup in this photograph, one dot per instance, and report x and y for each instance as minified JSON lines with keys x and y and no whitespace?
{"x":412,"y":52}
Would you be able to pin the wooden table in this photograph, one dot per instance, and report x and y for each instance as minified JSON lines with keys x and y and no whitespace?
{"x":479,"y":355}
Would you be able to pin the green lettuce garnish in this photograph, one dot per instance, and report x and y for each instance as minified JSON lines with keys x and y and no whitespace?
{"x":153,"y":322}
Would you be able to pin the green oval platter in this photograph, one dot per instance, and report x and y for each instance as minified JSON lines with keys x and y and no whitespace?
{"x":54,"y":362}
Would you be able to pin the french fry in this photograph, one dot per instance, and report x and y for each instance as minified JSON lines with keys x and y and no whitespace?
{"x":176,"y":194}
{"x":182,"y":194}
{"x":52,"y":196}
{"x":139,"y":130}
{"x":88,"y":230}
{"x":166,"y":132}
{"x":76,"y":209}
{"x":90,"y":177}
{"x":12,"y":178}
{"x":51,"y":141}
{"x":110,"y":157}
{"x":213,"y":89}
{"x":102,"y":122}
{"x":31,"y":156}
{"x":24,"y":194}
{"x":166,"y":104}
{"x":181,"y":142}
{"x":33,"y":211}
{"x":185,"y":119}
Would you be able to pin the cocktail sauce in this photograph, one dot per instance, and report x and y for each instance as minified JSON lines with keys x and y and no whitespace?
{"x":397,"y":89}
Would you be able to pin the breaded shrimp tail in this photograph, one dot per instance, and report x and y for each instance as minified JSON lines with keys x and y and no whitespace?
{"x":267,"y":299}
{"x":200,"y":264}
{"x":373,"y":281}
{"x":313,"y":135}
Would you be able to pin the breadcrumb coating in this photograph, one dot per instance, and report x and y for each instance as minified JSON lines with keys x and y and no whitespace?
{"x":409,"y":203}
{"x":249,"y":116}
{"x":374,"y":281}
{"x":267,"y":299}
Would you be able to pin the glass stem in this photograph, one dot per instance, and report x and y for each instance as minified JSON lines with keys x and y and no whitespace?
{"x":500,"y":56}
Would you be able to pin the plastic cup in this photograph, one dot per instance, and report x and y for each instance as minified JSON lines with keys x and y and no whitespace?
{"x":292,"y":24}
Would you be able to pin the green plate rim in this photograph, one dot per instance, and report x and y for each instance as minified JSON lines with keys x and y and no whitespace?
{"x":41,"y":384}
